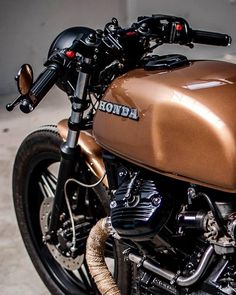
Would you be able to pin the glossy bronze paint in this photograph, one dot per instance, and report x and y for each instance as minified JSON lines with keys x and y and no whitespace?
{"x":187,"y":122}
{"x":90,"y":150}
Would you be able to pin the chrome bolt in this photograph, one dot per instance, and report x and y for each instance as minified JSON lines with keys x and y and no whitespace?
{"x":113,"y":204}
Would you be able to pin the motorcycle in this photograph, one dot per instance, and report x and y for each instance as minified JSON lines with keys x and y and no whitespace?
{"x":135,"y":192}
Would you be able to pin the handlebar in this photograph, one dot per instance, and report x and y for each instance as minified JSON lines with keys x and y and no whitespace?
{"x":40,"y":88}
{"x":210,"y":38}
{"x":115,"y":43}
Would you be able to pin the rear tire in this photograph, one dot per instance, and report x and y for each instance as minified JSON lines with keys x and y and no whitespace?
{"x":38,"y":152}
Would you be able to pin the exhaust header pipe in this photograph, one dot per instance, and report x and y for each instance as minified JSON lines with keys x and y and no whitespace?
{"x":102,"y":276}
{"x":170,"y":276}
{"x":95,"y":259}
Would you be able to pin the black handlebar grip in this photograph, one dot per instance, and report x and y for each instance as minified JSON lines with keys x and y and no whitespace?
{"x":211,"y":38}
{"x":43,"y":84}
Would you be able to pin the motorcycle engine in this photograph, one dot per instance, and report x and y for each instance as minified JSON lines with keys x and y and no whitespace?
{"x":139,"y":209}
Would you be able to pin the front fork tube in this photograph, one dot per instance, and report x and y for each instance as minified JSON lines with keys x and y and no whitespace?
{"x":69,"y":151}
{"x":69,"y":156}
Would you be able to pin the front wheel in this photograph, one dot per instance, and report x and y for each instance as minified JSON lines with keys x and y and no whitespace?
{"x":34,"y":182}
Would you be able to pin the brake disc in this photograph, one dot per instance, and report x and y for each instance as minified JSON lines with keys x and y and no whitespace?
{"x":64,"y":259}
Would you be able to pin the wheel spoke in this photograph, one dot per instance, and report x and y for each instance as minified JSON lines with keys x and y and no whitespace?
{"x":109,"y":250}
{"x":47,"y":184}
{"x":86,"y":278}
{"x":52,"y":177}
{"x":43,"y":191}
{"x":92,"y":283}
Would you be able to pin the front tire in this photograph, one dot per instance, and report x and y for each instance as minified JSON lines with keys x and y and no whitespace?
{"x":38,"y":158}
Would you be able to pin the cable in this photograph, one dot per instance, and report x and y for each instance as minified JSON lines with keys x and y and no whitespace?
{"x":68,"y":203}
{"x":84,"y":184}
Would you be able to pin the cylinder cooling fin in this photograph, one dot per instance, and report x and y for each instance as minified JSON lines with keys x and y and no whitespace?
{"x":139,"y":210}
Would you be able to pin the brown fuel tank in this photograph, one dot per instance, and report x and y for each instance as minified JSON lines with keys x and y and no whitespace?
{"x":186,"y":125}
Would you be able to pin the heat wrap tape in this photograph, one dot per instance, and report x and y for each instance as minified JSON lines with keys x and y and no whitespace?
{"x":96,"y":262}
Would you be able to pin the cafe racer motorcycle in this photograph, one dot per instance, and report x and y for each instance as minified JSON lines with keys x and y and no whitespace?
{"x":143,"y":171}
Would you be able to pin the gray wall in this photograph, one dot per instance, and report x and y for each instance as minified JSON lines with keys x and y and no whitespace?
{"x":212,"y":15}
{"x":27,"y":27}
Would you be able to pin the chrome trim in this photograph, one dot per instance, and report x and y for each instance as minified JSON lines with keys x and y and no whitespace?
{"x":170,"y":276}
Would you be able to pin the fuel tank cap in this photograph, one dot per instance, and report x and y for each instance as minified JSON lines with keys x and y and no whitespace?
{"x":170,"y":61}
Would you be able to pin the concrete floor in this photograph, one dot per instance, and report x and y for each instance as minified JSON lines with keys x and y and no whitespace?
{"x":17,"y":275}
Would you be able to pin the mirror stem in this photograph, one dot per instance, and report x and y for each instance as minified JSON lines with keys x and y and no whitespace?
{"x":12,"y":105}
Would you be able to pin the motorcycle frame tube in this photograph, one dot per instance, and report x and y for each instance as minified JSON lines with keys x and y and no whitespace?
{"x":90,"y":151}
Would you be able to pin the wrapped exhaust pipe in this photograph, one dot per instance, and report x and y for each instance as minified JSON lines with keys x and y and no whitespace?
{"x":96,"y":261}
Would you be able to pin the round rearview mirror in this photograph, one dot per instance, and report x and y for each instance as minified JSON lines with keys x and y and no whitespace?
{"x":24,"y":79}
